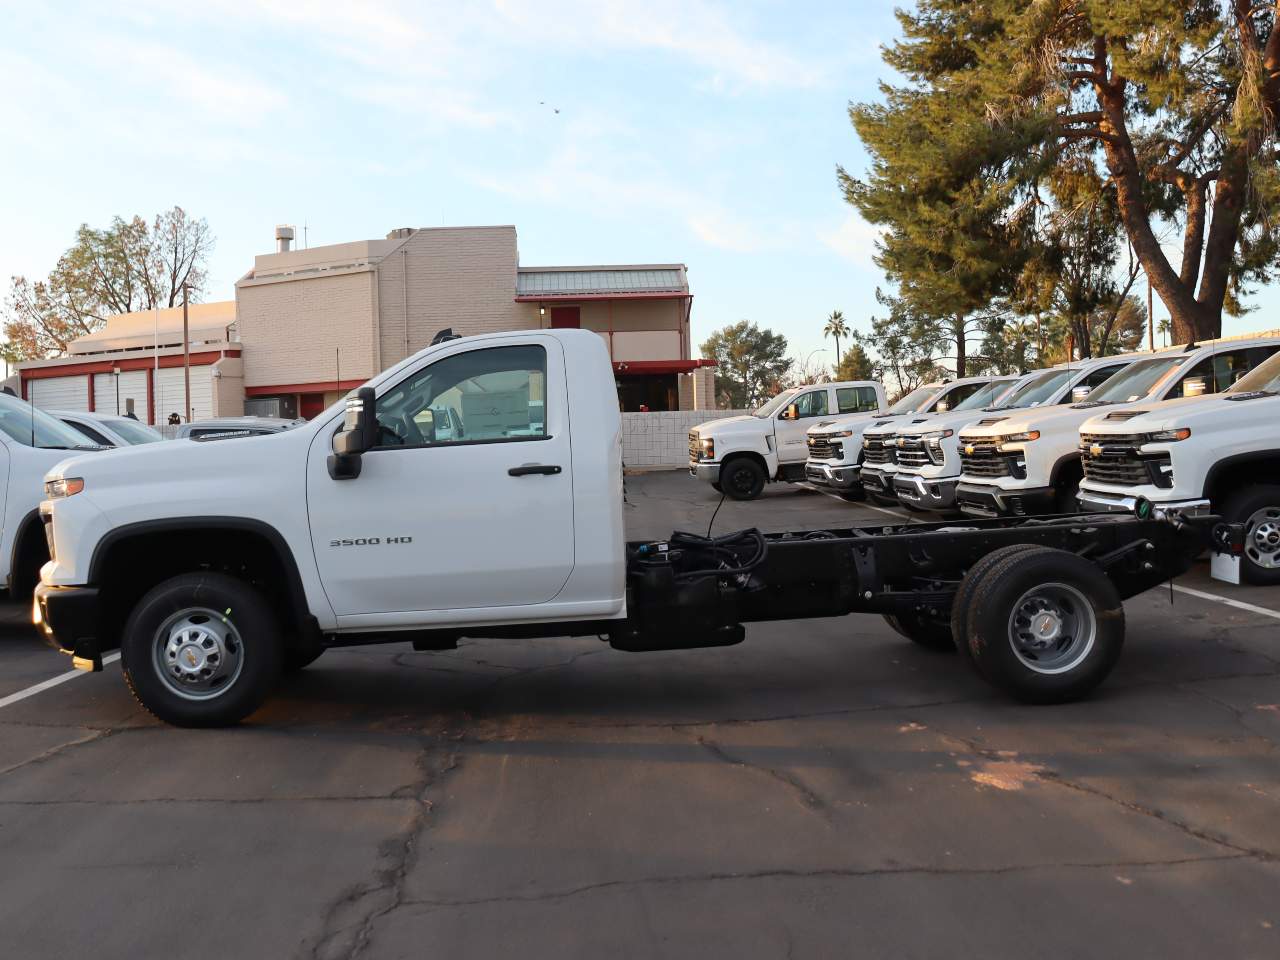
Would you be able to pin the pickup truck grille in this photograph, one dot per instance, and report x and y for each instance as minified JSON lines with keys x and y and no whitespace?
{"x":876,"y":451}
{"x":821,"y":448}
{"x":1119,"y":462}
{"x":984,"y":461}
{"x":911,"y":453}
{"x":695,"y":448}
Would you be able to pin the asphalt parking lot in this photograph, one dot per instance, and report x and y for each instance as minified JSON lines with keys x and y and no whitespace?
{"x":824,"y":789}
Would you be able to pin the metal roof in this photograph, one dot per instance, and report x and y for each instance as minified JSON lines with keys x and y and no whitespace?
{"x":602,"y":280}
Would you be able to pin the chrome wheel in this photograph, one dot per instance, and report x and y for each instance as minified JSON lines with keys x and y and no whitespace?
{"x":1052,"y":628}
{"x":198,"y":653}
{"x":1262,"y":537}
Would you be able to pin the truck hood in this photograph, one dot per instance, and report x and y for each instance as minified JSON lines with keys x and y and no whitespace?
{"x":1210,"y":412}
{"x":743,"y":424}
{"x":844,"y":421}
{"x":952,"y":420}
{"x":890,"y":425}
{"x":1036,"y":418}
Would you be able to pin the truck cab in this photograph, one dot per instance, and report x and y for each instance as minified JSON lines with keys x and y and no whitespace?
{"x":739,"y":455}
{"x":880,"y":440}
{"x":1217,"y":454}
{"x":1029,"y":463}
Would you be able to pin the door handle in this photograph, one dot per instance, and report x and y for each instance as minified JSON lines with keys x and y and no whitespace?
{"x":527,"y":469}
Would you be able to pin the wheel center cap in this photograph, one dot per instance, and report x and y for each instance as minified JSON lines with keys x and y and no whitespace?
{"x":191,"y":658}
{"x":1045,"y":627}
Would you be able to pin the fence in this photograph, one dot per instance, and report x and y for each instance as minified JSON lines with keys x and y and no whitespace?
{"x":662,"y":439}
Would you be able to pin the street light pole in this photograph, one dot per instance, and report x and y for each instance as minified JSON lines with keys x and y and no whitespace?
{"x":186,"y":353}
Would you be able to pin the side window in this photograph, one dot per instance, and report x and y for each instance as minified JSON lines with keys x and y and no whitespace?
{"x":1213,"y":374}
{"x":1229,"y":367}
{"x":482,"y":395}
{"x":1099,"y":376}
{"x":89,"y":432}
{"x":856,"y":400}
{"x":812,"y":404}
{"x":954,"y":398}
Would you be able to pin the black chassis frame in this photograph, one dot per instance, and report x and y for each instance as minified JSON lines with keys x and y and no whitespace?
{"x":886,"y":569}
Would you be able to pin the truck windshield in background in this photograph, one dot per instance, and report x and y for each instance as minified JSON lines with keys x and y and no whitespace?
{"x":35,"y":428}
{"x":1135,"y":381}
{"x":1037,"y":391}
{"x":985,"y":397}
{"x":772,"y":406}
{"x":914,"y":400}
{"x":1264,"y":378}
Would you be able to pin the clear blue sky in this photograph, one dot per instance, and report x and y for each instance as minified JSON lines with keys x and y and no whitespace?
{"x":694,"y":131}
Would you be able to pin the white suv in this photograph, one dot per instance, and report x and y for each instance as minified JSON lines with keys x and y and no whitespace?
{"x":1029,"y":463}
{"x":1219,"y":453}
{"x":739,"y":455}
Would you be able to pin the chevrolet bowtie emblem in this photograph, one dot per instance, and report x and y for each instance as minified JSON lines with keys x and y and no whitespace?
{"x":968,"y":448}
{"x":1095,"y":450}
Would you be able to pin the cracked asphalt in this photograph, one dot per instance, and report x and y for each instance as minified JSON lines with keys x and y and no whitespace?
{"x":825,"y":788}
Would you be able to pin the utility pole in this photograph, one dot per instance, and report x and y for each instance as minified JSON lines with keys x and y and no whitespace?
{"x":186,"y":353}
{"x":1151,"y":319}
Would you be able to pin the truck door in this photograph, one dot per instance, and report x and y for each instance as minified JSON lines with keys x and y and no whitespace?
{"x":790,"y":432}
{"x":472,"y":511}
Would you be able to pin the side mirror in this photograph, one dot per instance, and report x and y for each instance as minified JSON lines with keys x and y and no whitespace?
{"x":1194,"y":387}
{"x":942,"y":406}
{"x":1080,"y":394}
{"x":358,"y":434}
{"x":792,"y":412}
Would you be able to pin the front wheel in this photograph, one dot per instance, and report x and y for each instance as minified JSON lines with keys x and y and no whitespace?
{"x":717,"y":488}
{"x":1045,"y":625}
{"x":201,"y":650}
{"x":928,"y":632}
{"x":1258,"y":509}
{"x":742,"y":478}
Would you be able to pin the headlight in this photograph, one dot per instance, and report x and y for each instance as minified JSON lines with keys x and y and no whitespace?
{"x":1013,"y":441}
{"x":839,"y":433}
{"x":1169,"y":436}
{"x":933,"y":444}
{"x":66,"y":487}
{"x":708,"y":449}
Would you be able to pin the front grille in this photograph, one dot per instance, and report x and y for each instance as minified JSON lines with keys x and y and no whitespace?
{"x":695,"y":448}
{"x":1113,"y":439}
{"x":985,"y":461}
{"x":821,"y":448}
{"x":48,"y":532}
{"x":876,"y":452}
{"x":911,"y":453}
{"x":1117,"y":461}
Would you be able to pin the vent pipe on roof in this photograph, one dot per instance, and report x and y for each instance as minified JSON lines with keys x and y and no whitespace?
{"x":284,"y":238}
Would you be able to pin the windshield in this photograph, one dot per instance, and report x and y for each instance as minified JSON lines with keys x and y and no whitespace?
{"x":1038,"y":390}
{"x":914,"y":400}
{"x":989,"y":394}
{"x":24,"y":423}
{"x":775,"y":404}
{"x":1264,"y":378}
{"x":136,"y":432}
{"x":1136,"y":381}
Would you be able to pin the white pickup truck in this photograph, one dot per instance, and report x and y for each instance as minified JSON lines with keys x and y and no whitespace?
{"x":1215,"y":453}
{"x":216,"y":566}
{"x":880,"y":440}
{"x":739,"y":455}
{"x":1029,"y":463}
{"x":31,"y":441}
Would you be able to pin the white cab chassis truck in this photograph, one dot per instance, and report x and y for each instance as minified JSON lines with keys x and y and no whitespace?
{"x":1219,"y":453}
{"x":739,"y":455}
{"x":31,"y":441}
{"x":880,"y":440}
{"x":1029,"y":463}
{"x":214,"y":567}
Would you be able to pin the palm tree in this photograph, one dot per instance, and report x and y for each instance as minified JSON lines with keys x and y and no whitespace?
{"x":836,"y":327}
{"x":1163,"y":327}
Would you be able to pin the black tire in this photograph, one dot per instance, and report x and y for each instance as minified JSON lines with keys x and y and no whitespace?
{"x":253,"y":638}
{"x":294,"y":660}
{"x":926,"y":631}
{"x":1258,"y":507}
{"x":742,"y":478}
{"x":717,"y":488}
{"x":31,"y":555}
{"x":1091,"y":623}
{"x":963,"y":599}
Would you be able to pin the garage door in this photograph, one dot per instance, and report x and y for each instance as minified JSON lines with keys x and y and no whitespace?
{"x":169,"y":393}
{"x":133,"y":386}
{"x":60,"y":393}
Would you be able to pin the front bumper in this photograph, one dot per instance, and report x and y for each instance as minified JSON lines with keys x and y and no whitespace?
{"x":69,"y":618}
{"x":702,"y":470}
{"x":925,"y":493}
{"x":878,"y":481}
{"x":1093,"y":501}
{"x":838,"y":478}
{"x":980,"y":500}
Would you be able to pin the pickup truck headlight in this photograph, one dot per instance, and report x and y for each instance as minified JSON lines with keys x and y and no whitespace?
{"x":66,"y":487}
{"x":933,"y":444}
{"x":1014,"y":441}
{"x":1169,"y":436}
{"x":839,"y":434}
{"x":708,"y":449}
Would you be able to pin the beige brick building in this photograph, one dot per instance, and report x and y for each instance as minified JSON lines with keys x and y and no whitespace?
{"x":307,"y":325}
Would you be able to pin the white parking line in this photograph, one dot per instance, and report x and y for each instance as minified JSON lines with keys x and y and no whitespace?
{"x":1238,"y":604}
{"x":44,"y":685}
{"x":860,"y":503}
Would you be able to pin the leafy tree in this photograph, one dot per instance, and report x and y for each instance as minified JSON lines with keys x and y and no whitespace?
{"x":855,"y":365}
{"x":904,"y":354}
{"x":750,"y":363}
{"x":1173,"y":103}
{"x":836,"y":327}
{"x":125,"y":267}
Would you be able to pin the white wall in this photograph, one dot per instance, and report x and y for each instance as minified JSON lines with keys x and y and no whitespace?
{"x":662,"y":439}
